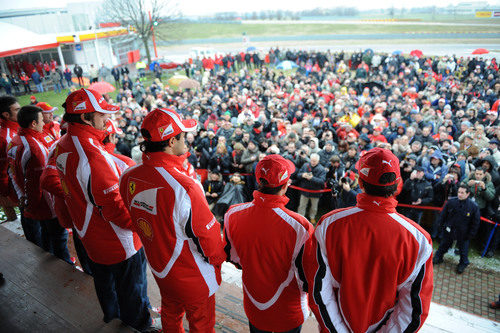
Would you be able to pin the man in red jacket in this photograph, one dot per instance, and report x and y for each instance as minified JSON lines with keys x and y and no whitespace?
{"x":51,"y":128}
{"x":89,"y":178}
{"x":371,"y":268}
{"x":28,"y":157}
{"x":180,"y":235}
{"x":9,"y":107}
{"x":268,"y":242}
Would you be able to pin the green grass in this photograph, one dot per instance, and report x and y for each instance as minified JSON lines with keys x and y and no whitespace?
{"x":214,"y":30}
{"x":57,"y":100}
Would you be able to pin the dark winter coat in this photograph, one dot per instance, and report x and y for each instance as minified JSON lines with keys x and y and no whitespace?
{"x":317,"y":182}
{"x":462,"y":217}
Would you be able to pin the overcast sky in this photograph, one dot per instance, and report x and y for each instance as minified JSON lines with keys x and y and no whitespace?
{"x":204,"y":7}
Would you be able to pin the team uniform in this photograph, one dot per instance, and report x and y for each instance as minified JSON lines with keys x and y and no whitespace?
{"x":274,"y":282}
{"x":51,"y":134}
{"x":181,"y":236}
{"x":372,"y":267}
{"x":89,"y":178}
{"x":28,"y":158}
{"x":8,"y":129}
{"x":274,"y":285}
{"x":51,"y":130}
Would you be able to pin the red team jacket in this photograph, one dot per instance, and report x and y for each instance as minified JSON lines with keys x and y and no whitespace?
{"x":181,"y":236}
{"x":270,"y":242}
{"x":51,"y":133}
{"x":8,"y":129}
{"x":372,"y":269}
{"x":28,"y":157}
{"x":89,"y":178}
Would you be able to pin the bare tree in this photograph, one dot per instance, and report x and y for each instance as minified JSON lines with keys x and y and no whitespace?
{"x":135,"y":13}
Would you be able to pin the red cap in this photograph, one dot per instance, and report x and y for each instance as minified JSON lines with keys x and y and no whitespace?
{"x":33,"y":98}
{"x":111,"y":128}
{"x":275,"y":169}
{"x":162,"y":124}
{"x":86,"y":101}
{"x":46,"y":107}
{"x":374,"y":163}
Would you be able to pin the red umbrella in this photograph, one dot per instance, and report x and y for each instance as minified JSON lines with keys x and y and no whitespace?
{"x":480,"y":51}
{"x":102,"y":87}
{"x":416,"y":53}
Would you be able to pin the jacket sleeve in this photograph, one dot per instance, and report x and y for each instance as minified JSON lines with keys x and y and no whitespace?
{"x":443,"y":216}
{"x":319,"y":178}
{"x":489,"y":192}
{"x":300,"y":259}
{"x":32,"y":188}
{"x":105,"y":194}
{"x":50,"y":180}
{"x":203,"y":228}
{"x":4,"y":165}
{"x":414,"y":298}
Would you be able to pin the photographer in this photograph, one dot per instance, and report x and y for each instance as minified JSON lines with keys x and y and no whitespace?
{"x":344,"y":193}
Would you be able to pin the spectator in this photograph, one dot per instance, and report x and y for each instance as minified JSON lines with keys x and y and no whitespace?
{"x":482,"y":190}
{"x":312,"y":176}
{"x":67,"y":76}
{"x":79,"y":74}
{"x":55,"y":77}
{"x":93,"y":73}
{"x":417,"y":191}
{"x":459,"y":221}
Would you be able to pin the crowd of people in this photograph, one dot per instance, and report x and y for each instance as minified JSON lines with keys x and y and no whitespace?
{"x":24,"y":77}
{"x":437,"y":115}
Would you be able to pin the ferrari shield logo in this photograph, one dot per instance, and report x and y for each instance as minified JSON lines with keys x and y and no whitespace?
{"x":131,"y":187}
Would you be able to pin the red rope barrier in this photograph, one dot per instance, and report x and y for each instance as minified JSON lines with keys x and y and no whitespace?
{"x":399,"y":204}
{"x":439,"y":209}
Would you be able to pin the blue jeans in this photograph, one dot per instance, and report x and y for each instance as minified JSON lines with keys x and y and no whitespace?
{"x":32,"y":230}
{"x":55,"y":239}
{"x":122,"y":290}
{"x":253,"y":329}
{"x":39,"y":87}
{"x":57,"y":87}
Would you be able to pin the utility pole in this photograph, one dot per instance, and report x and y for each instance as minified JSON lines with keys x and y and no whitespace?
{"x":153,"y":33}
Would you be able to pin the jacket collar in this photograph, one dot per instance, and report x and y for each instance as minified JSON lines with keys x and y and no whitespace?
{"x":9,"y":124}
{"x":86,"y":131}
{"x":164,"y":160}
{"x":269,"y":200}
{"x":379,"y":204}
{"x":29,"y":132}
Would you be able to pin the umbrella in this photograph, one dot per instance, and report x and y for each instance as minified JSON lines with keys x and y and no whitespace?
{"x":251,"y":48}
{"x":102,"y":87}
{"x":176,"y":79}
{"x":416,"y":53}
{"x":480,"y":51}
{"x":287,"y":64}
{"x":189,"y":84}
{"x":370,"y":85}
{"x":397,"y":52}
{"x":153,"y":64}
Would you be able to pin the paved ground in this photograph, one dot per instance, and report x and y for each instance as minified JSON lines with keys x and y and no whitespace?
{"x":470,"y":292}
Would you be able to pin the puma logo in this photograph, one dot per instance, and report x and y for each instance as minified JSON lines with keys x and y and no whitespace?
{"x":377,"y":203}
{"x":384,"y":161}
{"x":265,"y":171}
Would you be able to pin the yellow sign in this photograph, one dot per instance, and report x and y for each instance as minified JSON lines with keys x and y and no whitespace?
{"x":483,"y":14}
